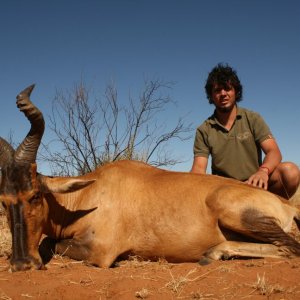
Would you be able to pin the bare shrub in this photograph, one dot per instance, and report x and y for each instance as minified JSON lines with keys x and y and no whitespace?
{"x":91,"y":131}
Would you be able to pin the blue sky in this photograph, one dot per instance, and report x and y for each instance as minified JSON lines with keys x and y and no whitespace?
{"x":55,"y":43}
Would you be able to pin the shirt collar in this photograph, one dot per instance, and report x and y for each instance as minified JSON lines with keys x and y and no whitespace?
{"x":213,"y":119}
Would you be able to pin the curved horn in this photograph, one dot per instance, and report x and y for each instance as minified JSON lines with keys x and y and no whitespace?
{"x":6,"y":152}
{"x":27,"y":150}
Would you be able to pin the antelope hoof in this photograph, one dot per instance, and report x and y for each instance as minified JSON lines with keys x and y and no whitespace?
{"x":203,"y":261}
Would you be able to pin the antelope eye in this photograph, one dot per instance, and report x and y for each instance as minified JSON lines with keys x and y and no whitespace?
{"x":35,"y":199}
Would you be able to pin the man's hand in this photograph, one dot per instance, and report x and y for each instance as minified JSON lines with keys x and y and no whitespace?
{"x":259,"y":179}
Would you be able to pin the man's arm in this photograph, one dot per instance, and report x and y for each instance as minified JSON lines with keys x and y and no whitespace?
{"x":199,"y":165}
{"x":272,"y":154}
{"x":271,"y":161}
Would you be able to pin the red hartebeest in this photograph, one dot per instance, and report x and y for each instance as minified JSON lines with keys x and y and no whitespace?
{"x":130,"y":207}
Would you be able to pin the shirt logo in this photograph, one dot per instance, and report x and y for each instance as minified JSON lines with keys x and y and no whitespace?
{"x":244,"y":135}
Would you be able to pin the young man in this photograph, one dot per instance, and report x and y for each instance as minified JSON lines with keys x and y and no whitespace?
{"x":235,"y":138}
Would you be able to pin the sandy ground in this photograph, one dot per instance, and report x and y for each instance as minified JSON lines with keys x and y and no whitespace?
{"x":134,"y":279}
{"x":236,"y":279}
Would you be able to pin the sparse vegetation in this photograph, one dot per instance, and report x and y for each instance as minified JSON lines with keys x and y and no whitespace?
{"x":263,"y":287}
{"x":177,"y":284}
{"x":142,"y":294}
{"x":91,"y":131}
{"x":3,"y":296}
{"x":5,"y":236}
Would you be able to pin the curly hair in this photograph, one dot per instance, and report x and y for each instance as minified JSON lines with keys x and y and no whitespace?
{"x":223,"y":75}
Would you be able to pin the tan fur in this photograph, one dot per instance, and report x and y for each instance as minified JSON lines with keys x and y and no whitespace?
{"x":135,"y":208}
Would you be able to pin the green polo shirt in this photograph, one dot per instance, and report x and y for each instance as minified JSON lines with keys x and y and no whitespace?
{"x":235,"y":153}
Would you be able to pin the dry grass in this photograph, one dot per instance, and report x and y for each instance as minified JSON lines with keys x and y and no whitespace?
{"x":5,"y":236}
{"x":177,"y":284}
{"x":3,"y":296}
{"x":265,"y":288}
{"x":143,"y":293}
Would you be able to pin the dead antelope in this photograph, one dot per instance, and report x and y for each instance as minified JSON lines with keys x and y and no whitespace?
{"x":129,"y":207}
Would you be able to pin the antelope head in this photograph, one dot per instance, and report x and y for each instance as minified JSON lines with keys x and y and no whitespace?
{"x":20,"y":191}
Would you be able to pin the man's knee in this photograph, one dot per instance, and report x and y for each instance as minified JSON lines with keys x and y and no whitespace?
{"x":285,"y":180}
{"x":289,"y":172}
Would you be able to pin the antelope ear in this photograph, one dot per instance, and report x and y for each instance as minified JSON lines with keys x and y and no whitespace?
{"x":63,"y":185}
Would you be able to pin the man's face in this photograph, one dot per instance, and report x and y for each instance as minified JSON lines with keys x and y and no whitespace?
{"x":223,"y":97}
